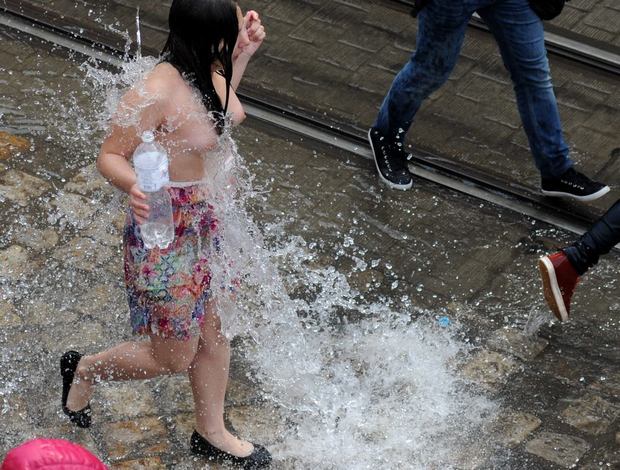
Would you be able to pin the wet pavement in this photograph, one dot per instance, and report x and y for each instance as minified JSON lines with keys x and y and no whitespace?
{"x":431,"y":252}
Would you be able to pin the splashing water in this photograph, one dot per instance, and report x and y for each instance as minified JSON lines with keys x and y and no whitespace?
{"x":138,"y":35}
{"x":535,"y":320}
{"x":356,"y":383}
{"x":379,"y":391}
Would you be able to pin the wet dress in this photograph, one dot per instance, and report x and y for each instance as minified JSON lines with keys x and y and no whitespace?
{"x":168,"y":288}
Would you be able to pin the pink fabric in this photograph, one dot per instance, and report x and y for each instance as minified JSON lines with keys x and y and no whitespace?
{"x":51,"y":454}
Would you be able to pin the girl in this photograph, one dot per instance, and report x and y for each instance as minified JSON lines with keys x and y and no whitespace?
{"x":186,"y":100}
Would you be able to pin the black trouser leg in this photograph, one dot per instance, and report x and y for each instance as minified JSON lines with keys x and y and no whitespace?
{"x":599,"y":240}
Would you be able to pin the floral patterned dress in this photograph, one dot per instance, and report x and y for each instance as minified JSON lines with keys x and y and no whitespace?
{"x":168,"y":288}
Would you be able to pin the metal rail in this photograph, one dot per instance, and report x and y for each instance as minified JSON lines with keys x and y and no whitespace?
{"x":429,"y":167}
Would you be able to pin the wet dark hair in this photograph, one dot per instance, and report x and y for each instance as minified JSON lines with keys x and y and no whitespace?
{"x":203,"y":32}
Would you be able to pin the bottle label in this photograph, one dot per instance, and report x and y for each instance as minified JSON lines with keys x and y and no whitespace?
{"x":153,"y":179}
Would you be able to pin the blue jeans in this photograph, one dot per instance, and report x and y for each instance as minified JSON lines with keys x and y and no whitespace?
{"x":519,"y":34}
{"x":599,"y":240}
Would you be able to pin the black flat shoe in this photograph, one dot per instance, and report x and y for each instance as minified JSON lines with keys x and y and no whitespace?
{"x":259,"y":458}
{"x":68,"y":363}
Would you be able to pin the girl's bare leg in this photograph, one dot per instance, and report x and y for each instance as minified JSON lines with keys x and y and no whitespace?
{"x":131,"y":360}
{"x":208,"y":375}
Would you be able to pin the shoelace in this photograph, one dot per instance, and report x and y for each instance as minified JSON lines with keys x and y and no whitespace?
{"x":576,"y":179}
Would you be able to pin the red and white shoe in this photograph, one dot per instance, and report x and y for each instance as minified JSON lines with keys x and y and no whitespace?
{"x":559,"y":281}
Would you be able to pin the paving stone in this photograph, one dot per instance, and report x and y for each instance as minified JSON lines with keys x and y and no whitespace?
{"x":143,"y":436}
{"x":105,"y":233}
{"x":36,"y":239}
{"x":102,"y":298}
{"x":124,"y":400}
{"x":513,"y":427}
{"x":20,"y":187}
{"x":488,"y":368}
{"x":364,"y":280}
{"x":256,"y":423}
{"x":606,"y":19}
{"x":137,"y":464}
{"x":176,"y":392}
{"x":591,"y":414}
{"x":607,"y":384}
{"x":42,"y":312}
{"x":88,"y":180}
{"x":73,"y":209}
{"x":515,"y":342}
{"x":84,"y":254}
{"x":601,"y":459}
{"x":183,"y":425}
{"x":14,"y":263}
{"x":70,"y":432}
{"x":12,"y":145}
{"x":561,"y":449}
{"x":80,"y":336}
{"x":8,"y":315}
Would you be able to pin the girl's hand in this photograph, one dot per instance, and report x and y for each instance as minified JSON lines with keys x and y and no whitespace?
{"x":137,"y":202}
{"x":251,"y":36}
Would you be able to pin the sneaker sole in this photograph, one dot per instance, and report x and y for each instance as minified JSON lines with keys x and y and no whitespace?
{"x":553,"y":296}
{"x":590,"y":197}
{"x":402,"y":187}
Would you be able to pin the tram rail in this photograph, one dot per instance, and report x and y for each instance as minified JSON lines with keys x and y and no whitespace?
{"x":431,"y":167}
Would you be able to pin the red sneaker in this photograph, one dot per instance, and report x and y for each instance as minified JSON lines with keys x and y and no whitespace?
{"x":559,"y":281}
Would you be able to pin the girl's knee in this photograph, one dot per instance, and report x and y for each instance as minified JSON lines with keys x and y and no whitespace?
{"x":173,"y":356}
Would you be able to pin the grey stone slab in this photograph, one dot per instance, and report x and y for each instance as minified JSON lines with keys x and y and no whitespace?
{"x":591,"y":414}
{"x":125,"y":400}
{"x":20,"y":187}
{"x":518,"y":344}
{"x":489,"y":369}
{"x":14,"y":263}
{"x":148,"y":463}
{"x":145,"y":437}
{"x":561,"y":449}
{"x":512,"y":427}
{"x":8,"y":315}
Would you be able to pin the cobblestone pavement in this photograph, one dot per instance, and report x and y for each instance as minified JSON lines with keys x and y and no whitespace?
{"x":438,"y":254}
{"x":334,"y":60}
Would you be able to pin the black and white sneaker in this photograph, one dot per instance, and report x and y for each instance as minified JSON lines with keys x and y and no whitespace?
{"x":391,"y":161}
{"x":574,"y":185}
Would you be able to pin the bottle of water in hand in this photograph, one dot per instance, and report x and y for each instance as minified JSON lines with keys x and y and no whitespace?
{"x":150,"y":161}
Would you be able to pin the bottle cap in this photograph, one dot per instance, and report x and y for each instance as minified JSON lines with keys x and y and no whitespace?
{"x":148,"y":137}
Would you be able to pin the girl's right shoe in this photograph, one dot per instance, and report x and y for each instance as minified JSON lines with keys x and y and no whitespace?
{"x":259,"y":458}
{"x":68,"y":364}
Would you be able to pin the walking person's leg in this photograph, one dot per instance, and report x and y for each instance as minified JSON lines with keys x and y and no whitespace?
{"x":441,"y":29}
{"x":520,"y":36}
{"x":599,"y":240}
{"x":561,"y":271}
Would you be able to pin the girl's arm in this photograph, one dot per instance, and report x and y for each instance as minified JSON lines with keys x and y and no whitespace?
{"x":140,"y":109}
{"x":234,"y":105}
{"x":251,"y":36}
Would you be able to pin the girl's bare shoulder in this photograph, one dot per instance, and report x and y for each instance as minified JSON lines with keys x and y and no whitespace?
{"x":163,"y":80}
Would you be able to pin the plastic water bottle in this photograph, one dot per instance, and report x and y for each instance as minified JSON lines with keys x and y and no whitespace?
{"x":150,"y":161}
